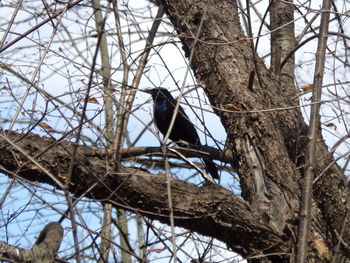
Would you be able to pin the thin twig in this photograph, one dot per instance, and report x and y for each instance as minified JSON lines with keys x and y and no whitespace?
{"x":25,"y":34}
{"x":10,"y":23}
{"x":144,"y":58}
{"x":106,"y":231}
{"x":75,"y":148}
{"x":313,"y":136}
{"x":37,"y":68}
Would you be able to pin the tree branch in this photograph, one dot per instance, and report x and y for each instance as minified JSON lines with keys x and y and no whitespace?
{"x":43,"y":251}
{"x":210,"y":210}
{"x":313,"y":136}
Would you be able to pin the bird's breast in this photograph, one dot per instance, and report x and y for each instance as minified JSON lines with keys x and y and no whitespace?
{"x":162,"y":116}
{"x":161,"y":106}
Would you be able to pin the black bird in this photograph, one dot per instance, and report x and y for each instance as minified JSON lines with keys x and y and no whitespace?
{"x":183,"y":129}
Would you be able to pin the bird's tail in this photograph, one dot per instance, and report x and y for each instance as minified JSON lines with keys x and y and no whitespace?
{"x":211,"y":168}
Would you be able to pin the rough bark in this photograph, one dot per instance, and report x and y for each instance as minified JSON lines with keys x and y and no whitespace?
{"x":224,"y":65}
{"x":43,"y":251}
{"x":282,"y":38}
{"x":264,"y":143}
{"x":211,"y":209}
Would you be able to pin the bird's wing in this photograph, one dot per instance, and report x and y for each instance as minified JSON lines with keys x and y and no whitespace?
{"x":183,"y":127}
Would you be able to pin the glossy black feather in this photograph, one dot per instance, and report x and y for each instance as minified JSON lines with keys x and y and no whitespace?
{"x":183,"y":129}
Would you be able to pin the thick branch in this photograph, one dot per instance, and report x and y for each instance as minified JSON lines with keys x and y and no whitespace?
{"x":210,"y":210}
{"x":44,"y":250}
{"x":200,"y":151}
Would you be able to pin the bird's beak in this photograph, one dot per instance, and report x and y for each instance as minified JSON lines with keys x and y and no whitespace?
{"x":149,"y":91}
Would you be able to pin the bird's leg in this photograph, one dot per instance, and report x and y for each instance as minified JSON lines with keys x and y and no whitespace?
{"x":169,"y":143}
{"x":182,"y":143}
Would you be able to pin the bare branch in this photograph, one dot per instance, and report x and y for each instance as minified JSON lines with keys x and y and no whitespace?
{"x":313,"y":136}
{"x":43,"y":251}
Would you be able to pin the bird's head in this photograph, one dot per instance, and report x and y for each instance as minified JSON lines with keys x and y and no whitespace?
{"x":158,"y":93}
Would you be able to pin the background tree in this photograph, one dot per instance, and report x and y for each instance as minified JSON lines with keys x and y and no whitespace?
{"x":74,"y":129}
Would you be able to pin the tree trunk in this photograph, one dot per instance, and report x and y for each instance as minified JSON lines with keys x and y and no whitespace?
{"x":264,"y":141}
